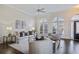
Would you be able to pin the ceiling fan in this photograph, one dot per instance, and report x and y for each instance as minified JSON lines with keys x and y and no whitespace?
{"x":41,"y":10}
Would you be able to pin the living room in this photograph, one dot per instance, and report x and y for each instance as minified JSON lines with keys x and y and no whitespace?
{"x":39,"y":28}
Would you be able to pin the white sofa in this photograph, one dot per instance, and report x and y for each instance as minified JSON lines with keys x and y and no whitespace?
{"x":22,"y":44}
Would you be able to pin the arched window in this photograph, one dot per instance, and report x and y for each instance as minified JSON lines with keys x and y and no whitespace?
{"x":58,"y":26}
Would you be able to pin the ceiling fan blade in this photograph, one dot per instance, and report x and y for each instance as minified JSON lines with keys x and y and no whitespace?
{"x":41,"y":10}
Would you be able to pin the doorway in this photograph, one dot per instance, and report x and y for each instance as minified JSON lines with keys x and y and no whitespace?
{"x":76,"y":30}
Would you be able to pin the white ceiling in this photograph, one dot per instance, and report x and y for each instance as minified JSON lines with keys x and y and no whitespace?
{"x":30,"y":9}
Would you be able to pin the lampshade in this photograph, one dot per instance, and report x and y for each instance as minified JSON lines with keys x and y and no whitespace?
{"x":9,"y":28}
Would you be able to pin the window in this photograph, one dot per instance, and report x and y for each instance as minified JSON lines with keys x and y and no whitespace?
{"x":58,"y":26}
{"x":44,"y":27}
{"x":20,"y":24}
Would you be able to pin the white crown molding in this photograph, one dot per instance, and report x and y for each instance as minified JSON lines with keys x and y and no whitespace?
{"x":17,"y":9}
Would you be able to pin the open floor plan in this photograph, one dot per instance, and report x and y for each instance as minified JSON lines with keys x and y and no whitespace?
{"x":39,"y":29}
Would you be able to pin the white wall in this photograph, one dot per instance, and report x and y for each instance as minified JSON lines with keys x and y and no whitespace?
{"x":8,"y":16}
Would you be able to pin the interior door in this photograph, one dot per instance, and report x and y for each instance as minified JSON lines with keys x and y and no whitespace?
{"x":76,"y":30}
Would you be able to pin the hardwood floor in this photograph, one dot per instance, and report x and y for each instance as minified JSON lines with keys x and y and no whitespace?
{"x":68,"y":47}
{"x":65,"y":47}
{"x":5,"y":49}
